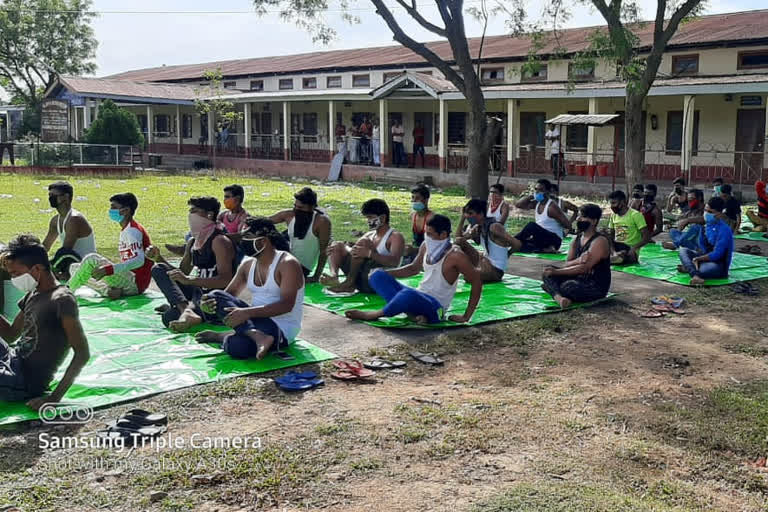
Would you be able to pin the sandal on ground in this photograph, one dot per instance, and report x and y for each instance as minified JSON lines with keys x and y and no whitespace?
{"x":652,"y":313}
{"x":145,"y":418}
{"x":298,"y":381}
{"x":354,"y":368}
{"x":746,"y":288}
{"x":667,"y":308}
{"x":746,"y":249}
{"x":430,"y":359}
{"x":383,"y":364}
{"x":755,"y":250}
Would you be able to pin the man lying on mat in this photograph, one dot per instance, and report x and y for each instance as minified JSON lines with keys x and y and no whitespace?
{"x":711,"y":258}
{"x":442,"y":263}
{"x":134,"y":272}
{"x":490,"y":234}
{"x":586,"y":275}
{"x":383,"y":246}
{"x":628,"y":231}
{"x":209,"y":263}
{"x":275,"y":281}
{"x":44,"y":330}
{"x":546,"y":233}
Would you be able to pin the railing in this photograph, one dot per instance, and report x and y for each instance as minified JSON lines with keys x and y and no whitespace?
{"x":458,"y":155}
{"x":308,"y":148}
{"x":55,"y":154}
{"x":267,"y":147}
{"x":359,"y":150}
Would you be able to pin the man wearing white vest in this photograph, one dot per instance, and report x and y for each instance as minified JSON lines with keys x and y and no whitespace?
{"x":546,"y":233}
{"x":70,"y":227}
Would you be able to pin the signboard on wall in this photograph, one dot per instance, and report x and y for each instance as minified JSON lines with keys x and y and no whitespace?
{"x":54,"y":122}
{"x":751,"y":101}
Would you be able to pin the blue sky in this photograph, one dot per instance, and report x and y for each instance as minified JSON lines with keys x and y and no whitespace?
{"x":133,"y":40}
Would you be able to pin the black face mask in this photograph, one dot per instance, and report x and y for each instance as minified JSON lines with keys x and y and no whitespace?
{"x":637,"y":195}
{"x":53,"y":201}
{"x":582,"y":225}
{"x":648,"y":198}
{"x":616,"y":210}
{"x":678,"y":190}
{"x":301,"y":223}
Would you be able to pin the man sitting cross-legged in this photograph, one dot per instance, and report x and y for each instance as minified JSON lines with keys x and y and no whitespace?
{"x":586,"y":275}
{"x":44,"y":330}
{"x":689,"y":224}
{"x":491,"y":236}
{"x":654,"y":218}
{"x":275,"y":281}
{"x":381,"y":247}
{"x":442,"y":263}
{"x":628,"y":231}
{"x":134,"y":272}
{"x":546,"y":233}
{"x":309,"y":232}
{"x":711,"y":258}
{"x":208,"y":264}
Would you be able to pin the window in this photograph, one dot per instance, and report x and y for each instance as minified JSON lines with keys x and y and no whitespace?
{"x":685,"y":64}
{"x":333,"y":82}
{"x":457,"y":123}
{"x":361,"y":80}
{"x":675,"y":132}
{"x":266,"y":123}
{"x":538,"y":74}
{"x":532,"y":128}
{"x":576,"y":136}
{"x":309,"y":83}
{"x":309,"y":124}
{"x":286,"y":84}
{"x":186,"y":126}
{"x":230,"y":85}
{"x":257,"y":85}
{"x":493,"y":75}
{"x":142,"y":119}
{"x":425,"y":118}
{"x":392,"y":75}
{"x":162,"y":124}
{"x":753,"y":60}
{"x":585,"y":72}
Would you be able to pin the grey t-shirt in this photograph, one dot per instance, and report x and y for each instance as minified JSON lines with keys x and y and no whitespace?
{"x":43,"y":344}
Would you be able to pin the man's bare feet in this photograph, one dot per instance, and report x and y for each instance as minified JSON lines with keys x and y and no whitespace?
{"x":563,"y":301}
{"x":418,"y":319}
{"x":669,"y":245}
{"x":178,"y":250}
{"x":211,"y":337}
{"x":262,"y":341}
{"x":356,"y":314}
{"x":114,"y":293}
{"x":329,"y":280}
{"x":186,"y":321}
{"x":345,"y":287}
{"x":697,"y":281}
{"x":682,"y":269}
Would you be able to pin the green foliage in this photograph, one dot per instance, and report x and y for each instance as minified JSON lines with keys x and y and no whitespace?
{"x":114,"y":125}
{"x":211,"y":99}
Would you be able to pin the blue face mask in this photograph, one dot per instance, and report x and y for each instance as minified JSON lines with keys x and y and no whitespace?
{"x":717,"y":190}
{"x":471,"y":221}
{"x":539,"y":196}
{"x":418,"y":206}
{"x":709,"y":218}
{"x":114,"y":215}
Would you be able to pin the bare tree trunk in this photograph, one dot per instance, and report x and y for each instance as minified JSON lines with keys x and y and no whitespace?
{"x":634,"y":140}
{"x":479,"y":152}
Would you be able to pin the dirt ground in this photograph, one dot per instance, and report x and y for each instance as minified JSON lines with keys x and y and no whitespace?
{"x":594,"y":410}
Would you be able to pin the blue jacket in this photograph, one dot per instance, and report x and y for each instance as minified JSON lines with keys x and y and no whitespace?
{"x":716,"y":241}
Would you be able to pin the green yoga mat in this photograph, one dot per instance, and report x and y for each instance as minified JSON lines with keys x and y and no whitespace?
{"x":514,"y":297}
{"x":748,"y":234}
{"x":134,"y":356}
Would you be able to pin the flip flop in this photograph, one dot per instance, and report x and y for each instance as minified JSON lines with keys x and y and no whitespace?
{"x":299,"y":384}
{"x":383,"y":364}
{"x":430,"y":359}
{"x":353,"y":367}
{"x":667,"y":308}
{"x":675,"y":302}
{"x":342,"y":375}
{"x":295,"y":376}
{"x":130,"y":431}
{"x":755,"y":250}
{"x":652,"y":313}
{"x":746,"y":249}
{"x":746,"y":289}
{"x":144,"y":418}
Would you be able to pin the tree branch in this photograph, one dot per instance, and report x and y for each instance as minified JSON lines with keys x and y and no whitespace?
{"x":416,"y":15}
{"x":683,"y":11}
{"x":416,"y":47}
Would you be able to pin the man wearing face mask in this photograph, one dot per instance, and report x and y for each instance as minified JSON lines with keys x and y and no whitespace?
{"x":717,"y":184}
{"x":654,"y":219}
{"x":383,"y":246}
{"x":419,"y":217}
{"x":689,"y":224}
{"x":276,"y":285}
{"x":711,"y":258}
{"x":46,"y":327}
{"x":677,"y":202}
{"x":495,"y":241}
{"x":134,"y":272}
{"x":498,"y":207}
{"x":637,"y":196}
{"x":309,"y":233}
{"x":586,"y":275}
{"x":209,"y":263}
{"x":442,"y":263}
{"x":759,"y":217}
{"x":69,"y":226}
{"x":546,"y":233}
{"x":628,"y":231}
{"x":233,"y":217}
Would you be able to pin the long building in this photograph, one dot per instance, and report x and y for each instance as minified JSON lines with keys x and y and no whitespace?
{"x":706,"y":113}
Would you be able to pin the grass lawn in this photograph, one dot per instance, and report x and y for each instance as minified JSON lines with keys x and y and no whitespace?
{"x":163,"y":204}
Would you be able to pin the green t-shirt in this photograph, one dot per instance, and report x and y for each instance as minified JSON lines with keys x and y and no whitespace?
{"x":628,"y":227}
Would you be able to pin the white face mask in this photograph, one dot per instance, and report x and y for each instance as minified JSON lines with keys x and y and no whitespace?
{"x":24,"y":282}
{"x":435,"y":246}
{"x":198,"y":223}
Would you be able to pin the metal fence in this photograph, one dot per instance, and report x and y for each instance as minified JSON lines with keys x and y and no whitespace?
{"x":55,"y":154}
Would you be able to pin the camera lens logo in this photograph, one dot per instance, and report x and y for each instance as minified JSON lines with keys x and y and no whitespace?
{"x":61,"y":413}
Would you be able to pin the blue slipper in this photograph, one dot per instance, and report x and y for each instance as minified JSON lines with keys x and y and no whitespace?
{"x":300,"y":385}
{"x":292,"y":377}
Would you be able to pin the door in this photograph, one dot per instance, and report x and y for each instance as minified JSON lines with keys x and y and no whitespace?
{"x":750,"y":139}
{"x":619,"y":141}
{"x":393,"y":116}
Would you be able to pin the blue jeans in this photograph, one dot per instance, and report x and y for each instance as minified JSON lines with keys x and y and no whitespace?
{"x":706,"y":270}
{"x":398,"y":154}
{"x":688,"y":238}
{"x":239,"y":345}
{"x":12,"y":383}
{"x":401,"y":299}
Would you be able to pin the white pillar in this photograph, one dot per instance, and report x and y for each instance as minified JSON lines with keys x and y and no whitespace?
{"x":87,"y":117}
{"x":591,"y":134}
{"x":150,"y":126}
{"x":512,"y":116}
{"x":689,"y":107}
{"x":75,"y":125}
{"x":384,"y":131}
{"x":179,"y":139}
{"x":247,"y":128}
{"x":97,"y":105}
{"x":286,"y":130}
{"x":211,"y":131}
{"x":442,"y":142}
{"x":331,"y":128}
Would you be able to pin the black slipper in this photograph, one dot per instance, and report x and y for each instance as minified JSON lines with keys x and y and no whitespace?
{"x":131,"y":432}
{"x":383,"y":364}
{"x":430,"y":359}
{"x":162,"y":308}
{"x":145,"y":418}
